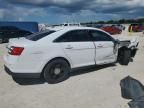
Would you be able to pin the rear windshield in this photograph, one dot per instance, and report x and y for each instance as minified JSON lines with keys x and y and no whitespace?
{"x":39,"y":35}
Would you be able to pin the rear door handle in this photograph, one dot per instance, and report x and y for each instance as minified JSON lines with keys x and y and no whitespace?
{"x":69,"y":47}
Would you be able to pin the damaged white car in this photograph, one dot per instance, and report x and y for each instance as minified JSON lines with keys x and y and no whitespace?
{"x":53,"y":53}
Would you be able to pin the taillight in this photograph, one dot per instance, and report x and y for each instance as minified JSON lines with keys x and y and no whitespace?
{"x":15,"y":50}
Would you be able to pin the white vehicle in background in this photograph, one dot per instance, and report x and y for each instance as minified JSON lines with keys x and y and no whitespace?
{"x":64,"y":25}
{"x":53,"y":53}
{"x":71,"y":24}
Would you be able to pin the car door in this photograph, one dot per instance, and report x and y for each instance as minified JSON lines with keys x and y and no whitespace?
{"x":106,"y":49}
{"x":78,"y":47}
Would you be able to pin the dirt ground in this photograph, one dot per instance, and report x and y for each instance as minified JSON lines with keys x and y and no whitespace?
{"x":92,"y":87}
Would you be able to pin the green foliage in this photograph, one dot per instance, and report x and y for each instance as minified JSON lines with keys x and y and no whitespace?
{"x":121,"y":21}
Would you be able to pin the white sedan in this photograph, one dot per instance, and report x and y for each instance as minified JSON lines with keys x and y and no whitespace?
{"x":53,"y":53}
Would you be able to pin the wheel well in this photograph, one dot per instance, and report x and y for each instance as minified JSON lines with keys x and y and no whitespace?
{"x":55,"y":59}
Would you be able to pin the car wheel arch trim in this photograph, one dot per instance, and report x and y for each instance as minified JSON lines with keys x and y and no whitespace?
{"x":55,"y":59}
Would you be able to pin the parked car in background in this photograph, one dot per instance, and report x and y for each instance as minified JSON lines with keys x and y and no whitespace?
{"x":98,"y":26}
{"x":136,"y":28}
{"x":120,"y":26}
{"x":111,"y":29}
{"x":71,"y":24}
{"x":52,"y":54}
{"x":7,"y":32}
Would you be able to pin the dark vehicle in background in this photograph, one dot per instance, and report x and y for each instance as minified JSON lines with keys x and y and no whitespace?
{"x":98,"y":26}
{"x":10,"y":30}
{"x":136,"y":28}
{"x":7,"y":32}
{"x":94,"y":25}
{"x":111,"y":30}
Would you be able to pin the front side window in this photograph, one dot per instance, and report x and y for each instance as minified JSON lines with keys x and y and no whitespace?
{"x":100,"y":36}
{"x":74,"y":36}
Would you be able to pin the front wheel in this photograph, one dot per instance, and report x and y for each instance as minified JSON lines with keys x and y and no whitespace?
{"x":56,"y":71}
{"x":124,"y":57}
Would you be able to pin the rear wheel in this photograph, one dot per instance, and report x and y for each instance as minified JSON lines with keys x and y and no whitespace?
{"x":124,"y":57}
{"x":56,"y":71}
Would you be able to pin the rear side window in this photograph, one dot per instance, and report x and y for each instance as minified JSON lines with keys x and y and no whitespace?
{"x":39,"y":35}
{"x":74,"y":36}
{"x":100,"y":36}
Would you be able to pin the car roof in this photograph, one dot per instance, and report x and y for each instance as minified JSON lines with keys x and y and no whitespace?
{"x":66,"y":29}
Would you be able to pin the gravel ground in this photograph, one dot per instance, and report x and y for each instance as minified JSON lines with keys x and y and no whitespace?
{"x":87,"y":88}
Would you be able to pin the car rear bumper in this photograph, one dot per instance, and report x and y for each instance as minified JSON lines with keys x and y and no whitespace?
{"x":22,"y":75}
{"x":13,"y":64}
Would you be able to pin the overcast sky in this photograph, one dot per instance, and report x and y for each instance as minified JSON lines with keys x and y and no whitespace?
{"x":60,"y":11}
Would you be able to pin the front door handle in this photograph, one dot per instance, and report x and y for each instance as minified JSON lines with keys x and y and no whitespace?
{"x":100,"y":46}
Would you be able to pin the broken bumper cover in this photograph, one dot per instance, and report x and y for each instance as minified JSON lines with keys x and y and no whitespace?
{"x":133,"y":52}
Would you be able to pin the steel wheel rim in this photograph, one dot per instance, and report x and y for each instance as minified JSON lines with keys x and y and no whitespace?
{"x":56,"y":75}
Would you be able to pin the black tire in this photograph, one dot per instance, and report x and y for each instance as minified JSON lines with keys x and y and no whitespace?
{"x":125,"y":56}
{"x":50,"y":74}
